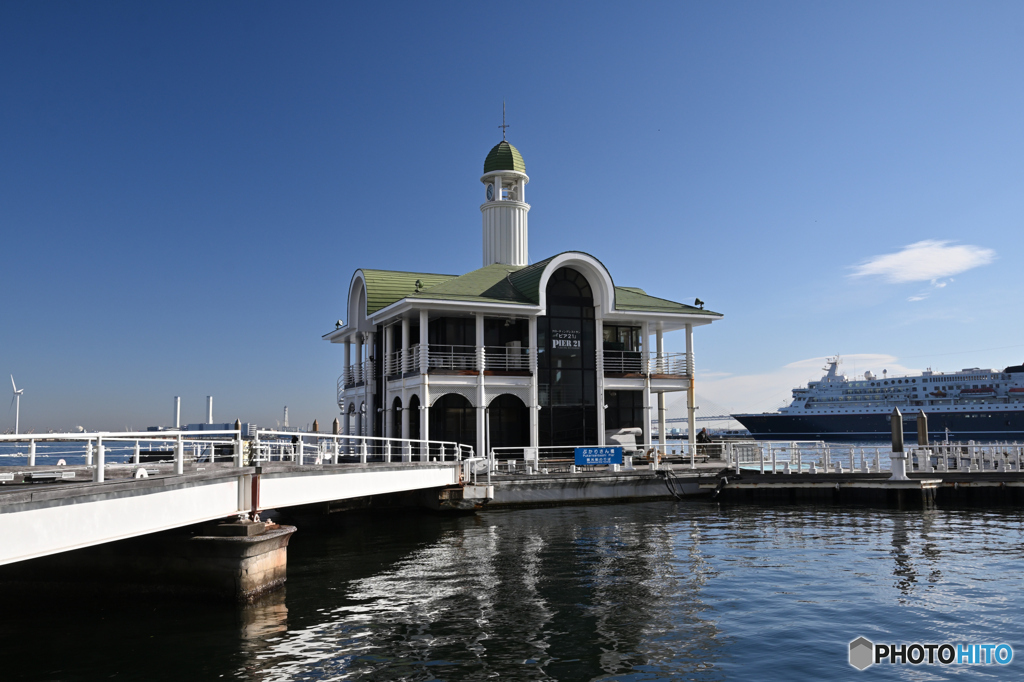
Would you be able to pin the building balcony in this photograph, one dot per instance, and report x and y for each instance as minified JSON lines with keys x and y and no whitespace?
{"x":442,"y":358}
{"x":626,"y":363}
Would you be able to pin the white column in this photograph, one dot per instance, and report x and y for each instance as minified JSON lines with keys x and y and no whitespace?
{"x":662,"y":416}
{"x":359,"y":357}
{"x":406,"y":364}
{"x":645,"y":359}
{"x":599,"y":364}
{"x":424,"y":335}
{"x":347,"y":361}
{"x":534,"y":402}
{"x":369,"y":385}
{"x":481,"y":396}
{"x":691,"y":402}
{"x":389,"y":342}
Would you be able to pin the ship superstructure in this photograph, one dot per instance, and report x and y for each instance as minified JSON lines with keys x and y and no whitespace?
{"x":974,"y":403}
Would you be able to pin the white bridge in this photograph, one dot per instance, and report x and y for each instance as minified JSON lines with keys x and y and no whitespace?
{"x":60,"y":492}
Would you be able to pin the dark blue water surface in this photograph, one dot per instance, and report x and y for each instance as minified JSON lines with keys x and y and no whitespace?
{"x":654,"y":591}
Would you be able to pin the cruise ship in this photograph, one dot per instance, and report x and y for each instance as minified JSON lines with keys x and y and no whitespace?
{"x":972,"y":404}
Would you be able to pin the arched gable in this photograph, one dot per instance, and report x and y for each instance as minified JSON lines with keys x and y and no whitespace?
{"x":594,"y":270}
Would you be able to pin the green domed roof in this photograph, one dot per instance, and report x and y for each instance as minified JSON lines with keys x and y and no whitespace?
{"x":504,"y":157}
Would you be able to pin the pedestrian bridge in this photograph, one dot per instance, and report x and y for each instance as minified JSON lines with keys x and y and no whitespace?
{"x":60,"y":492}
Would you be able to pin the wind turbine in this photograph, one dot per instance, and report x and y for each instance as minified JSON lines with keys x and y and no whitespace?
{"x":16,"y":399}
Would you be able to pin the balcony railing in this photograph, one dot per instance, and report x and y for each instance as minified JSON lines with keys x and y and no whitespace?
{"x":506,"y":358}
{"x":623,"y":361}
{"x":356,"y":373}
{"x":632,"y":362}
{"x":441,"y":356}
{"x":673,"y":364}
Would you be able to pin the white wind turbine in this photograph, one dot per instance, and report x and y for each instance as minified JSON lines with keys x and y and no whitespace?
{"x":16,"y":399}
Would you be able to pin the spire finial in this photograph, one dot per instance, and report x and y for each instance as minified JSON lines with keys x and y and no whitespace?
{"x":503,"y":124}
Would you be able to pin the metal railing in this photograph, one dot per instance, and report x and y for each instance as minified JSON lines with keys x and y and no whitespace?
{"x":675,"y":364}
{"x":623,"y":361}
{"x":137,"y":450}
{"x":632,"y":362}
{"x":442,"y":356}
{"x":507,"y":357}
{"x":356,"y":373}
{"x":821,"y":457}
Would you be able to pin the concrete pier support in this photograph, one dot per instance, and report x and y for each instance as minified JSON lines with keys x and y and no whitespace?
{"x":239,"y":566}
{"x":226,"y":562}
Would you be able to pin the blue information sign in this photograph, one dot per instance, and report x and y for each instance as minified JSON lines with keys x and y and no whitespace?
{"x":595,"y":455}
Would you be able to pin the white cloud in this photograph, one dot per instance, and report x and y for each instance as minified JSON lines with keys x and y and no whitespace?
{"x":769,"y":391}
{"x":925,"y":261}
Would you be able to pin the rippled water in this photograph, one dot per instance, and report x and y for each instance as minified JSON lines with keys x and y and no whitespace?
{"x":650,"y":591}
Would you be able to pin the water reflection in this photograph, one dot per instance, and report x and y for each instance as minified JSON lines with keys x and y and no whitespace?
{"x":633,"y":592}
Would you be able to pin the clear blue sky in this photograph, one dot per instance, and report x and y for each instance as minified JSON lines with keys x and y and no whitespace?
{"x":186,"y":188}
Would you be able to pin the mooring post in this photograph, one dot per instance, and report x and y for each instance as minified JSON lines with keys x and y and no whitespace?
{"x":898,"y":457}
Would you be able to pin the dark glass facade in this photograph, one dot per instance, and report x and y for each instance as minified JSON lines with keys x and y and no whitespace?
{"x":566,"y":358}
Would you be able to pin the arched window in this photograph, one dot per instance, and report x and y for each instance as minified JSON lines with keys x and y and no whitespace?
{"x":453,"y":418}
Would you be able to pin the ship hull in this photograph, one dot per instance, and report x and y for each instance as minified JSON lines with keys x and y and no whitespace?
{"x":963,"y":426}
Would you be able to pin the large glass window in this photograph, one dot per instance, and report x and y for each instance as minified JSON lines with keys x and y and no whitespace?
{"x":566,"y":347}
{"x":625,"y":410}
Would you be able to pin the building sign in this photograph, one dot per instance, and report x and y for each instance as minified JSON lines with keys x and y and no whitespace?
{"x":592,"y":456}
{"x":565,"y":338}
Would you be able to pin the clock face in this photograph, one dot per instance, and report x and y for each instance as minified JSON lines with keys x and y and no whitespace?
{"x":490,"y":192}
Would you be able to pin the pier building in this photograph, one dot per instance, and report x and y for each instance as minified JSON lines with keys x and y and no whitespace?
{"x":515,"y":354}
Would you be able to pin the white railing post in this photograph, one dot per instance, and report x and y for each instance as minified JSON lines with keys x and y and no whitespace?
{"x":335,"y":450}
{"x":300,"y":451}
{"x":100,"y":460}
{"x":179,"y":456}
{"x":387,"y":450}
{"x":88,"y":453}
{"x":362,"y":451}
{"x":239,"y":450}
{"x":136,"y":455}
{"x":775,"y":458}
{"x":32,"y":453}
{"x":799,"y":458}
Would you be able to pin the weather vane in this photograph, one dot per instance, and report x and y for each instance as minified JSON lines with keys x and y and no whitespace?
{"x":503,"y":124}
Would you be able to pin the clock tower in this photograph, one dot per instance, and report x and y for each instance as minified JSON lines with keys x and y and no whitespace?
{"x":505,"y":208}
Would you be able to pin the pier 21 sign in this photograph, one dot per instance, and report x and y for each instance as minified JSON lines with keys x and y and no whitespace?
{"x":597,"y":456}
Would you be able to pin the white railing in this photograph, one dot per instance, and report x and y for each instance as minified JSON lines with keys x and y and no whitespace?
{"x":820,"y":457}
{"x":674,"y":364}
{"x":623,"y":361}
{"x":202,"y":449}
{"x":357,"y":373}
{"x":442,"y":356}
{"x":507,"y":357}
{"x":632,"y":362}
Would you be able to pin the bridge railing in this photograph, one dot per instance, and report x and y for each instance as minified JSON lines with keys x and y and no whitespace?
{"x":327,"y":448}
{"x":101,"y":452}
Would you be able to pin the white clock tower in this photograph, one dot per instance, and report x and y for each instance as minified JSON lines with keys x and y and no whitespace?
{"x":505,"y":208}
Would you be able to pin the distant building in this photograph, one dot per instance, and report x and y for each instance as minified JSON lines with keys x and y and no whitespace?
{"x":513,"y":354}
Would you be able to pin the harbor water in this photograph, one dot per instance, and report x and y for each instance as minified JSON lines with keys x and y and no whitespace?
{"x":648,"y":591}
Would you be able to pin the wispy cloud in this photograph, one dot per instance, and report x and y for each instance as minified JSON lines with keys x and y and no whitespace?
{"x":925,"y":261}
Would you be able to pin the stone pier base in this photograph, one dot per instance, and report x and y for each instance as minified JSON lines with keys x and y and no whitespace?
{"x":229,"y":562}
{"x":244,"y":567}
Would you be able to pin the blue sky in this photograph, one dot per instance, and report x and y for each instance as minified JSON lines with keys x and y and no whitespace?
{"x":186,"y":188}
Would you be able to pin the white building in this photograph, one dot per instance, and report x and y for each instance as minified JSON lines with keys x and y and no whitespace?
{"x":512,"y":354}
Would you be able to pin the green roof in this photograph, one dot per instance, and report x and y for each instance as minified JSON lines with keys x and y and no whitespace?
{"x":634,"y":298}
{"x":504,"y":157}
{"x":488,"y":284}
{"x":384,"y":287}
{"x":495,"y":284}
